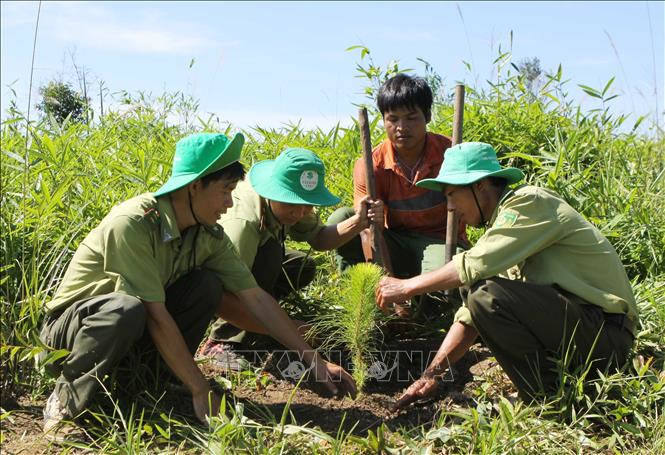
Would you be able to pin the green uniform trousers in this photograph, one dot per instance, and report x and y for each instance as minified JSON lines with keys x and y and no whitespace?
{"x":527,"y":326}
{"x":411,"y":254}
{"x":278,"y":272}
{"x":99,"y":331}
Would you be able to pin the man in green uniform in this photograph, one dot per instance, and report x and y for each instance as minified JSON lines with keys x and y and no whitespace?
{"x":540,"y":281}
{"x":278,"y":201}
{"x":160,"y":262}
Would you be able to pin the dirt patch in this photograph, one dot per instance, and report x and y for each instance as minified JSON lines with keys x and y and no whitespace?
{"x":22,"y":428}
{"x":266,"y":397}
{"x":403,"y":361}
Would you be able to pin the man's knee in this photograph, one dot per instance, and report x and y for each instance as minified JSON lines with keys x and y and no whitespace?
{"x":128,"y":316}
{"x":208,"y":282}
{"x":210,"y":287}
{"x":479,"y":299}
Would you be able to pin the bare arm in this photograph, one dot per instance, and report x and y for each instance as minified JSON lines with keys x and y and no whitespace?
{"x":392,"y":290}
{"x":333,"y":236}
{"x":172,"y":347}
{"x":457,"y":342}
{"x":263,"y":307}
{"x":234,"y":311}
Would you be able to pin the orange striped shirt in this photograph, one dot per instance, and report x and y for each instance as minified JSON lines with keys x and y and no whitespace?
{"x":406,"y":206}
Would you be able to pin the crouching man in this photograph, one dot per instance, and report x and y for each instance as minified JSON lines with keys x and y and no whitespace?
{"x":159,"y":262}
{"x":541,"y":281}
{"x":278,"y":202}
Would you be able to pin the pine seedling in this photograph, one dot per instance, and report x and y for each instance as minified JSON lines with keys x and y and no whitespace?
{"x":354,"y":324}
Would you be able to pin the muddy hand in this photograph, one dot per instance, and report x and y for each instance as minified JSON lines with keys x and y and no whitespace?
{"x":422,"y":388}
{"x":345,"y":383}
{"x":375,"y":211}
{"x":335,"y":379}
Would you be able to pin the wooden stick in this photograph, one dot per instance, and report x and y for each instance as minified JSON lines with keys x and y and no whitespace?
{"x":379,"y":253}
{"x":452,"y":221}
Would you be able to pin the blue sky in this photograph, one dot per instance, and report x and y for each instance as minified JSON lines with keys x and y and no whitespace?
{"x":269,"y":63}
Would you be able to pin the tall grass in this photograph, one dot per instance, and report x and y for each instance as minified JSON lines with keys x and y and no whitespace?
{"x":60,"y":183}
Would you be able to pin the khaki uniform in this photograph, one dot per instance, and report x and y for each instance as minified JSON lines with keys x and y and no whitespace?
{"x":259,"y":240}
{"x":136,"y":254}
{"x":541,"y":280}
{"x":137,"y":250}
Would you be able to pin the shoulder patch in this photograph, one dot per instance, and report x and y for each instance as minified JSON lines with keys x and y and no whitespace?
{"x":506,"y":218}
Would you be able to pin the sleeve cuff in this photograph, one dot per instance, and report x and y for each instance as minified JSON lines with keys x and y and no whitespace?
{"x":458,"y":262}
{"x":463,"y":315}
{"x":248,"y":282}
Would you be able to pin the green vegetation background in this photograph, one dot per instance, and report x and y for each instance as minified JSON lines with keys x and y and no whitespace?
{"x":64,"y":178}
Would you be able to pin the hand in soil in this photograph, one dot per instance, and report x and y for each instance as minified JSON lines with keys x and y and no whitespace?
{"x":206,"y":404}
{"x":335,"y":379}
{"x":422,"y":388}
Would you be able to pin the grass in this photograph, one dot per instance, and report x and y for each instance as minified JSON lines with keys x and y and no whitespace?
{"x":59,"y":183}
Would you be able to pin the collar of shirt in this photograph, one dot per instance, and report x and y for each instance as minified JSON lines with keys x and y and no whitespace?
{"x":507,"y":192}
{"x":168,"y":224}
{"x":433,"y":156}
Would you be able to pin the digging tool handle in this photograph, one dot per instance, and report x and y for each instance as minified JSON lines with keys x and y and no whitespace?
{"x":452,"y":221}
{"x":379,"y":252}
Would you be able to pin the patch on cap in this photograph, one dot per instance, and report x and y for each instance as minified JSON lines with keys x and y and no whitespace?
{"x":309,"y":180}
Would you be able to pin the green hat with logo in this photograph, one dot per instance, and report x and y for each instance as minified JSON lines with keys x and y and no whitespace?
{"x":467,"y":163}
{"x":295,"y":177}
{"x":200,"y":154}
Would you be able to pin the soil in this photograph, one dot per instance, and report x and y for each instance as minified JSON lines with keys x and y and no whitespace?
{"x":403,"y":362}
{"x":373,"y":406}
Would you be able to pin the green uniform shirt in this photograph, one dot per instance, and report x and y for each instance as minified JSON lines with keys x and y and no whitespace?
{"x":535,"y":236}
{"x":250,"y":223}
{"x":137,"y":249}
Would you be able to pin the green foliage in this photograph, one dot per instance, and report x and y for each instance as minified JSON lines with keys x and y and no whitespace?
{"x":355,"y":319}
{"x":60,"y":181}
{"x":62,"y":102}
{"x":375,"y":74}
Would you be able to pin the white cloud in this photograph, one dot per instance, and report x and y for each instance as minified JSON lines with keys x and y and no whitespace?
{"x":97,"y":26}
{"x":246,"y":119}
{"x":132,"y":39}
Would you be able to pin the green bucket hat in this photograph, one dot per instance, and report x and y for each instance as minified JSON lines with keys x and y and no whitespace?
{"x":469,"y":162}
{"x":295,"y":177}
{"x":200,"y":154}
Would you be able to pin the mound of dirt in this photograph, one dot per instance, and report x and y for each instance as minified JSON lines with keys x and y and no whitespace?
{"x":398,"y":365}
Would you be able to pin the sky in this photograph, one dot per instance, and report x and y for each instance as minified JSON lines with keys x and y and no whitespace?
{"x":271,"y":63}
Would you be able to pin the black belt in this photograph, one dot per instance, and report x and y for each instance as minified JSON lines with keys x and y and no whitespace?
{"x":619,"y":320}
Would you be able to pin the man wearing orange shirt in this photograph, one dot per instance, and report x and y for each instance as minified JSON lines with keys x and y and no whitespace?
{"x":415,"y":217}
